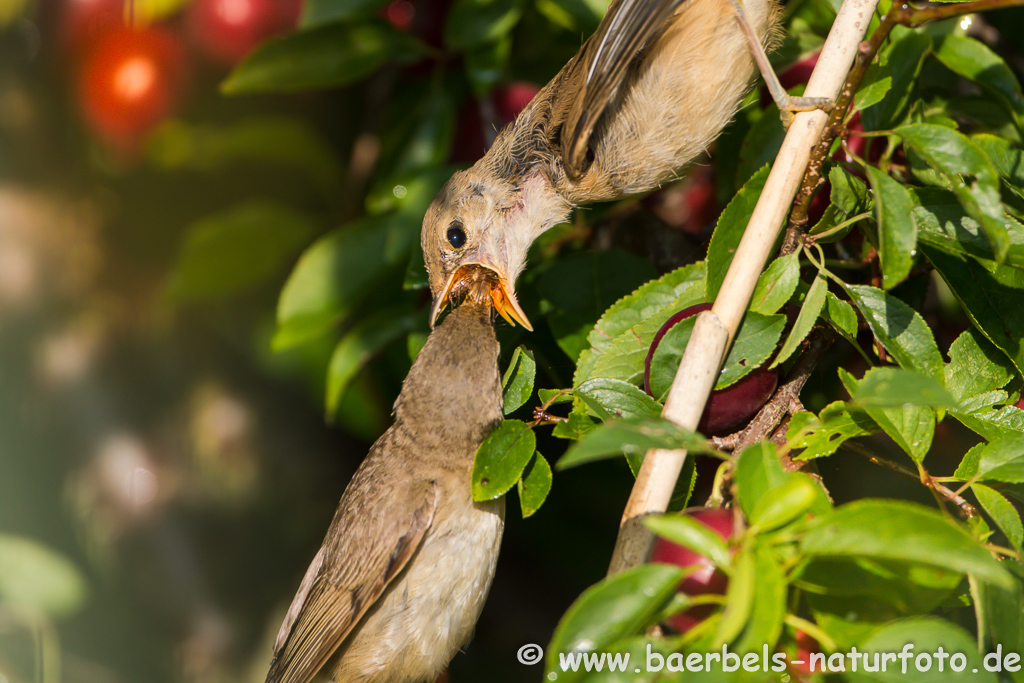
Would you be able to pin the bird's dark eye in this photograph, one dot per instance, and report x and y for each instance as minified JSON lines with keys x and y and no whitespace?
{"x":456,"y":235}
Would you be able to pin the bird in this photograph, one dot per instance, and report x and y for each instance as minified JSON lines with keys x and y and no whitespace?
{"x":647,"y":93}
{"x":400,"y":580}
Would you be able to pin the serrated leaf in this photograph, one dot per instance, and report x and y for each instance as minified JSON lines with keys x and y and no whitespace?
{"x":902,"y":532}
{"x":325,"y":56}
{"x":1007,"y":159}
{"x":841,"y":315}
{"x":814,"y":301}
{"x":890,"y":387}
{"x":755,"y":341}
{"x":849,"y":192}
{"x":501,"y":458}
{"x":616,"y":398}
{"x":729,"y":231}
{"x":534,"y":485}
{"x":876,"y":84}
{"x":1002,"y":512}
{"x":943,"y":224}
{"x":992,"y":296}
{"x":776,"y":284}
{"x":897,"y":229}
{"x":517,"y":383}
{"x":954,"y":154}
{"x":360,"y":344}
{"x":911,"y":426}
{"x":1002,"y":460}
{"x":620,"y":605}
{"x":821,"y":435}
{"x":900,"y":329}
{"x":631,"y":435}
{"x":784,"y":503}
{"x":975,"y":367}
{"x":472,"y":23}
{"x":236,"y":249}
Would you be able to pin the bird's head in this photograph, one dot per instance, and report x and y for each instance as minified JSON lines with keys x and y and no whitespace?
{"x":479,"y":219}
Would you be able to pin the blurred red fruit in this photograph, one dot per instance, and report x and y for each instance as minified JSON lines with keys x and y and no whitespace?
{"x":512,"y":98}
{"x":399,"y":13}
{"x":130,"y":81}
{"x":226,"y":31}
{"x":706,"y":579}
{"x":729,"y":408}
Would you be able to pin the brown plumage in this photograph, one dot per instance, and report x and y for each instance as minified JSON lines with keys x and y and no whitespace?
{"x":647,"y":93}
{"x":398,"y":585}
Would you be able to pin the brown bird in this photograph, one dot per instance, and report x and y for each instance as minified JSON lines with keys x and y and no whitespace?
{"x":649,"y":91}
{"x":402,"y":575}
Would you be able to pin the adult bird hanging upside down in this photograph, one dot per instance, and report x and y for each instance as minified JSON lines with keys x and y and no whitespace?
{"x":649,"y":91}
{"x":402,"y":575}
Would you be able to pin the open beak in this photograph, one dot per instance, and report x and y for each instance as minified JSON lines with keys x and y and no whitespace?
{"x":502,"y":297}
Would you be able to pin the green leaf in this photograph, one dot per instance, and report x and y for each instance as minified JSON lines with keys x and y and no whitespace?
{"x":501,"y":459}
{"x":39,"y":578}
{"x":617,"y":398}
{"x":631,"y":435}
{"x":877,"y":83}
{"x":621,"y":337}
{"x":325,"y":56}
{"x":1001,"y":623}
{"x":236,"y":249}
{"x":840,"y":315}
{"x":776,"y":284}
{"x":975,"y":61}
{"x":975,"y":367}
{"x":954,"y":154}
{"x":335,"y":274}
{"x":849,"y":192}
{"x":581,"y":17}
{"x":921,"y":636}
{"x":768,"y":607}
{"x":784,"y":504}
{"x":992,"y":296}
{"x":472,"y":23}
{"x":756,"y":472}
{"x":1007,"y":159}
{"x":904,"y":59}
{"x":579,"y":290}
{"x":1002,"y":460}
{"x":729,"y":231}
{"x":900,"y":329}
{"x":621,"y":605}
{"x":686,"y":531}
{"x":361,"y":343}
{"x":822,"y":435}
{"x":518,"y":380}
{"x":486,"y":65}
{"x":912,"y":427}
{"x":897,"y":231}
{"x":943,"y":224}
{"x":316,"y":12}
{"x":1002,"y":512}
{"x":809,"y":311}
{"x":890,"y":387}
{"x":534,"y":485}
{"x":419,"y":137}
{"x":902,"y":532}
{"x":755,"y":341}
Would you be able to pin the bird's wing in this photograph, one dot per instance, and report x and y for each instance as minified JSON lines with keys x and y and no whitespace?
{"x":350,"y":572}
{"x":605,"y":60}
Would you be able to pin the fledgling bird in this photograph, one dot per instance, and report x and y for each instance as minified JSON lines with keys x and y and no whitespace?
{"x":648,"y":92}
{"x":402,"y":575}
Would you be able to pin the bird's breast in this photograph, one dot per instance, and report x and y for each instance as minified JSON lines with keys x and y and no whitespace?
{"x":430,"y":610}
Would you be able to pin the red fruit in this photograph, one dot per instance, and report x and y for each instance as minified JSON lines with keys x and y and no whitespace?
{"x":228,"y":30}
{"x":706,"y":579}
{"x":1020,"y":402}
{"x":727,"y":408}
{"x":399,"y":13}
{"x":805,"y":647}
{"x":130,"y":81}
